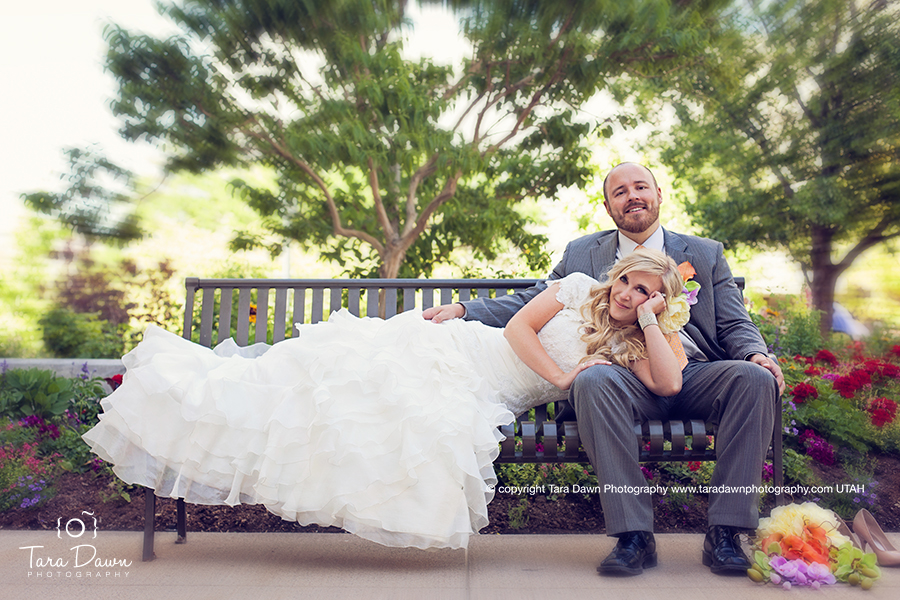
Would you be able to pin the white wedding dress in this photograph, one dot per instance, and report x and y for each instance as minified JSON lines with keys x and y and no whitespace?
{"x":386,"y":428}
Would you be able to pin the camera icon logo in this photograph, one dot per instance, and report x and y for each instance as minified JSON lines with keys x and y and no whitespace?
{"x":75,"y":527}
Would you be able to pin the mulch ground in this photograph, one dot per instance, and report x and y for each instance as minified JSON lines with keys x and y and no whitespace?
{"x":572,"y":513}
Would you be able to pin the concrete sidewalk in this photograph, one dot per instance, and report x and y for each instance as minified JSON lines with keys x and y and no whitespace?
{"x":271,"y":566}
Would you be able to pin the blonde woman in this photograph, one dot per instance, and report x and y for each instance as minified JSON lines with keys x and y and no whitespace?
{"x":621,"y":324}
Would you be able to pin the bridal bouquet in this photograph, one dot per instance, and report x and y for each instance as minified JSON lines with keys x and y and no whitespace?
{"x":802,"y":544}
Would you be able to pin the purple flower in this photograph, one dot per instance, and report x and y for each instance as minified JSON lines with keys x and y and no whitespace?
{"x":819,"y":573}
{"x":791,"y":570}
{"x":690,"y":296}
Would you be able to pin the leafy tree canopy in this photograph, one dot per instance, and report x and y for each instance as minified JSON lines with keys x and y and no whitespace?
{"x":378,"y":154}
{"x":789,"y":132}
{"x":97,"y":202}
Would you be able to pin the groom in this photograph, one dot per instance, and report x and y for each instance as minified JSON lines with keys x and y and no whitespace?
{"x":729,"y":380}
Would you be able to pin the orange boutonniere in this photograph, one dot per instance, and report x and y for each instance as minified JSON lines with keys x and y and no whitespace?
{"x":687,"y":270}
{"x":691,"y":288}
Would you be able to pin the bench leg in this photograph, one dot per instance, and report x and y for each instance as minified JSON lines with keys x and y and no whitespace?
{"x":181,"y":521}
{"x":149,"y":523}
{"x":778,"y":453}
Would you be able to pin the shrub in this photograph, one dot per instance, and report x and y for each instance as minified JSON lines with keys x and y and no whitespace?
{"x":70,"y":334}
{"x":801,"y":332}
{"x":37,"y":392}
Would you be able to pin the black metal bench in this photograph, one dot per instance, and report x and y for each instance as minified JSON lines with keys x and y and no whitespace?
{"x":264,"y":310}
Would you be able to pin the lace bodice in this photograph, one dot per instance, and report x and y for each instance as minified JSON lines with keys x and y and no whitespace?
{"x":519,"y":387}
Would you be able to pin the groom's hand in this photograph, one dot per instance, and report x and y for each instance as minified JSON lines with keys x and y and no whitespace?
{"x":444,"y":312}
{"x":770,"y":365}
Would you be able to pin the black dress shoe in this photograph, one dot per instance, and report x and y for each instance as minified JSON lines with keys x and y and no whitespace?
{"x":634,"y":552}
{"x":722,"y":551}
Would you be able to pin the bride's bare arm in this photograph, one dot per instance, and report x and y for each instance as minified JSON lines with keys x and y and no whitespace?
{"x":522,"y":330}
{"x":660,"y":372}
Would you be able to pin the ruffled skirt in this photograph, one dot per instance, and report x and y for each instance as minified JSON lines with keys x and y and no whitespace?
{"x":387,"y":429}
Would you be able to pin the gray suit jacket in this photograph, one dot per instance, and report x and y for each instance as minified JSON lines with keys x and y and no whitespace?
{"x":719,"y":324}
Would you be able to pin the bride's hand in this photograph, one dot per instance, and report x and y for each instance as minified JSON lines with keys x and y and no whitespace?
{"x":564,"y":381}
{"x":656,"y":303}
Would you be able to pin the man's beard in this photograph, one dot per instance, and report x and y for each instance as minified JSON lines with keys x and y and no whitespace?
{"x":640,"y":224}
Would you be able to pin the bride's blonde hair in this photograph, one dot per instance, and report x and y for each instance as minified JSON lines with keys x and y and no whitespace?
{"x":623,"y":343}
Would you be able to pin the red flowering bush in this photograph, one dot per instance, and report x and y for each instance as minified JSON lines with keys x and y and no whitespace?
{"x":882,"y":411}
{"x":803,"y":390}
{"x":826,"y":356}
{"x":848,"y":385}
{"x":879,"y":369}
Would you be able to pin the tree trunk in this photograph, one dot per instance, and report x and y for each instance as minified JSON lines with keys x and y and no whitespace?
{"x":389,"y":269}
{"x":824,"y":276}
{"x":391,"y":261}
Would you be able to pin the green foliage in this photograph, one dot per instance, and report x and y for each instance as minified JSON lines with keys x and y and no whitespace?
{"x":34,"y":449}
{"x":695,"y":472}
{"x":545,"y":477}
{"x":796,"y":468}
{"x":87,"y":207}
{"x":846,"y":499}
{"x":70,"y":334}
{"x":386,"y":162}
{"x":787,"y":132}
{"x":37,"y":392}
{"x":677,"y":502}
{"x":518,"y":514}
{"x":117,"y":490}
{"x":801,"y":333}
{"x":74,"y":454}
{"x":22,"y":283}
{"x":85,"y":406}
{"x":837,"y":418}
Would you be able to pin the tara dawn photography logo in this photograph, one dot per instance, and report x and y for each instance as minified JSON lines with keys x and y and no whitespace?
{"x":81,"y":561}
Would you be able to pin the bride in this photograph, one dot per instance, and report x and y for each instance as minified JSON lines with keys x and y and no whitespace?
{"x":386,"y":428}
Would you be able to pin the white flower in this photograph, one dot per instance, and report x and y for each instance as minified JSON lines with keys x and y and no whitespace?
{"x":676,"y":314}
{"x":791,"y":519}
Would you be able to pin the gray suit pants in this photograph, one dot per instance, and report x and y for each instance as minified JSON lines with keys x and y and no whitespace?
{"x":737,"y":395}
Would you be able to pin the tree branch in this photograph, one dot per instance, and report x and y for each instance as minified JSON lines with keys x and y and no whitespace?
{"x":422,"y":222}
{"x":420,"y":175}
{"x":281,"y":150}
{"x":383,"y":220}
{"x":874,"y":237}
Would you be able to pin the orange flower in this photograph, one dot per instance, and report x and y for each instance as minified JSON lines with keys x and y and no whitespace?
{"x":811,"y":546}
{"x":687,"y":270}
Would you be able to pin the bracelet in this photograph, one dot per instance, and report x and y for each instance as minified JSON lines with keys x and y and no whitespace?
{"x":646,"y":320}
